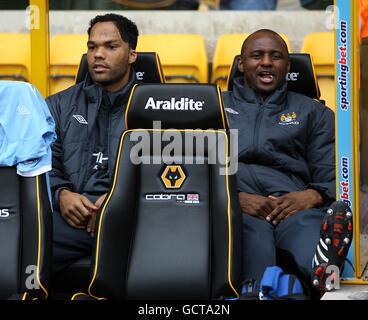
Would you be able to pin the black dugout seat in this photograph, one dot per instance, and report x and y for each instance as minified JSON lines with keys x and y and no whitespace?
{"x":25,"y":236}
{"x":170,"y":229}
{"x":301,"y":78}
{"x":147,"y":67}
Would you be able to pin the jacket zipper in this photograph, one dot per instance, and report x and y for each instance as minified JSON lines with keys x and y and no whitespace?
{"x":257,"y":125}
{"x":109,"y":134}
{"x":256,"y":145}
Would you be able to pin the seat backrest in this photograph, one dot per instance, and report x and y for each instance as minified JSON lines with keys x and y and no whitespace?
{"x":25,"y":235}
{"x":327,"y":88}
{"x":170,"y":228}
{"x":65,"y":53}
{"x":183,"y":56}
{"x":301,"y":77}
{"x":227,"y":47}
{"x":147,"y":67}
{"x":15,"y":57}
{"x":320,"y":45}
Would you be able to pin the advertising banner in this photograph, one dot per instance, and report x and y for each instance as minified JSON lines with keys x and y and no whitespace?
{"x":344,"y":114}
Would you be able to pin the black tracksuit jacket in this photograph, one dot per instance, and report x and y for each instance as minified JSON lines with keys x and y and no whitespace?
{"x":75,"y":111}
{"x":286,"y":143}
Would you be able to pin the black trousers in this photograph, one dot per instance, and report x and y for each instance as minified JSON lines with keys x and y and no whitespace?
{"x":290,"y":245}
{"x":69,"y":244}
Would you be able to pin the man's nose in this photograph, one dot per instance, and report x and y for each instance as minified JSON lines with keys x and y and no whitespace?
{"x":99,"y":53}
{"x":266,"y":60}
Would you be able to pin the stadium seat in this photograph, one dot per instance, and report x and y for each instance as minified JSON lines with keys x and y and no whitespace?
{"x":65,"y":53}
{"x":170,"y":230}
{"x":15,"y":58}
{"x":227,"y":47}
{"x":25,"y":236}
{"x":183,"y":56}
{"x":320,"y":46}
{"x":301,"y":77}
{"x":327,"y":87}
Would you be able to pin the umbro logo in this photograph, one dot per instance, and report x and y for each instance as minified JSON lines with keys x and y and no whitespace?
{"x":80,"y":119}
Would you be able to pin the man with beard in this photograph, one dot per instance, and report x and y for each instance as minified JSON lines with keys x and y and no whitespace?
{"x":89,"y":119}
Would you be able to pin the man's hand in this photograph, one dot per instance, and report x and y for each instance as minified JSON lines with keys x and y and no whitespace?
{"x":92,"y":220}
{"x":292,"y":202}
{"x":75,"y":208}
{"x":256,"y":205}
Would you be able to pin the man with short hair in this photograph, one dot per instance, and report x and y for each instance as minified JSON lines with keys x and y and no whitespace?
{"x":89,"y":120}
{"x":286,"y":174}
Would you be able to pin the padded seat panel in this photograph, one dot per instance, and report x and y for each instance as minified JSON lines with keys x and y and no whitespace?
{"x":10,"y":244}
{"x":172,"y":237}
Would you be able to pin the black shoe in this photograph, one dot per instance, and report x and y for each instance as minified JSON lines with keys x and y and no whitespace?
{"x":335,"y":239}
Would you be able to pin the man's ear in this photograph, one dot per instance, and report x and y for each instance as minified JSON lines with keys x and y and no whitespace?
{"x":240,"y":64}
{"x":288,"y":66}
{"x":132,"y":56}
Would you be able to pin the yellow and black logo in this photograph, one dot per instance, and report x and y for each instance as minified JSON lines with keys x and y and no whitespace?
{"x":173,"y":177}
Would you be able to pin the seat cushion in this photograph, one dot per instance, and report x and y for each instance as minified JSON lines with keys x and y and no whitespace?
{"x":74,"y":278}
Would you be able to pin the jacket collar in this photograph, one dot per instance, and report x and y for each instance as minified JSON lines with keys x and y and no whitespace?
{"x":94,"y":97}
{"x":243,"y":92}
{"x":124,"y":93}
{"x":94,"y":91}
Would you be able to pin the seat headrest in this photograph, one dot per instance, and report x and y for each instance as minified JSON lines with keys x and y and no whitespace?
{"x":147,"y":68}
{"x":301,"y":78}
{"x":177,"y":106}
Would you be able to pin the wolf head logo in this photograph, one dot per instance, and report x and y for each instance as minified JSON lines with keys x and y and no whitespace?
{"x":173,"y":177}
